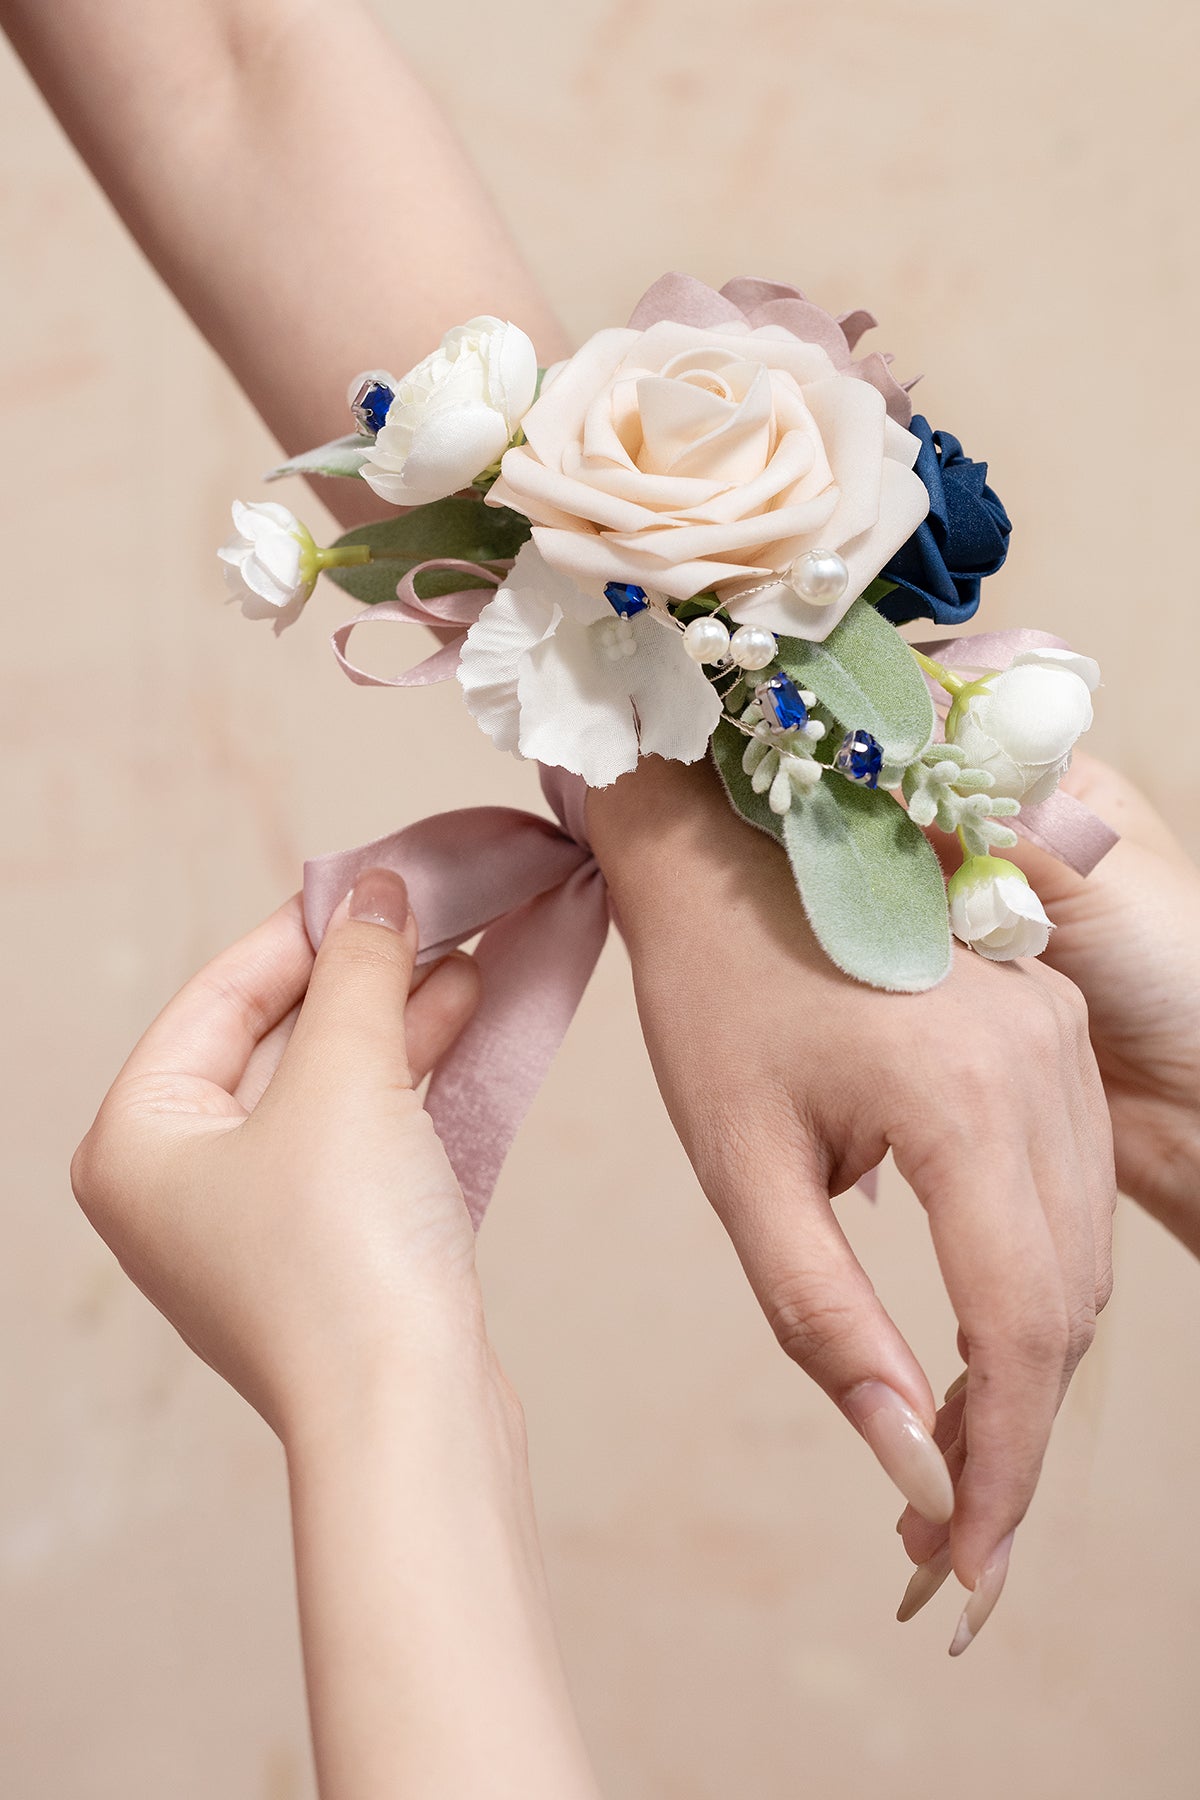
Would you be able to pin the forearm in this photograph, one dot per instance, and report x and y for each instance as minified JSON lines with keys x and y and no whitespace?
{"x":292,"y":182}
{"x":429,"y":1651}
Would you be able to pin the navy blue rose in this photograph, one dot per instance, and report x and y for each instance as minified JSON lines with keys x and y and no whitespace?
{"x":965,"y":537}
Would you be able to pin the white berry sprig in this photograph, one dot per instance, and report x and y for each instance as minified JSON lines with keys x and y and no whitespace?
{"x":940,"y":787}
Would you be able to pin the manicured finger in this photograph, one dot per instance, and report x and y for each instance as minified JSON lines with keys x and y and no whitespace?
{"x":1002,"y":1274}
{"x":212,"y":1026}
{"x":828,"y":1318}
{"x":351,"y":1027}
{"x":920,"y":1537}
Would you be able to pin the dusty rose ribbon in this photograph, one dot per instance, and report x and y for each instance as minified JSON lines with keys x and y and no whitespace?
{"x":535,"y":891}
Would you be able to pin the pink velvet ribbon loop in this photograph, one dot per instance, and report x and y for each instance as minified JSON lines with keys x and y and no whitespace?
{"x":461,"y":609}
{"x":536,"y":893}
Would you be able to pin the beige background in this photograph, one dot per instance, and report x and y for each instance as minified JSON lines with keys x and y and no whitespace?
{"x":1010,"y":187}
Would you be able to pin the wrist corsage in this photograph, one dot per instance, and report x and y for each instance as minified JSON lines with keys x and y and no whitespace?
{"x":699,"y":536}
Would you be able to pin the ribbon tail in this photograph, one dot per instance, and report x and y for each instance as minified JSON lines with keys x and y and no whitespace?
{"x":535,"y":964}
{"x":1069,"y":830}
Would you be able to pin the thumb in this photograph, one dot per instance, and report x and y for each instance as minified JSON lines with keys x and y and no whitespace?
{"x":352,"y":1021}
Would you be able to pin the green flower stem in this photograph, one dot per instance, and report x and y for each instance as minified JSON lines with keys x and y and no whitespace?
{"x":343,"y":556}
{"x":953,"y":684}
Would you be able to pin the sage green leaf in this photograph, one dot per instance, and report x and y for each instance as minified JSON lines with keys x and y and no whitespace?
{"x":865,"y":674}
{"x":461,"y":527}
{"x":728,"y":747}
{"x":869,"y":882}
{"x":344,"y":456}
{"x":871,"y":886}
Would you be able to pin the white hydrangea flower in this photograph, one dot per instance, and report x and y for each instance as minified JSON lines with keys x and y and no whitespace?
{"x":454,"y":414}
{"x":270,"y":566}
{"x":994,"y":910}
{"x":1022,"y":724}
{"x":550,"y":673}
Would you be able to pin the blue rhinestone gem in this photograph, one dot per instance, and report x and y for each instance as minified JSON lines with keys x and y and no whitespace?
{"x":779,"y":697}
{"x":369,"y":407}
{"x":625,"y":598}
{"x":860,"y":756}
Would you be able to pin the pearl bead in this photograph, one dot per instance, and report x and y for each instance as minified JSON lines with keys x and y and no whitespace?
{"x":819,"y":576}
{"x":706,"y":640}
{"x":752,"y":646}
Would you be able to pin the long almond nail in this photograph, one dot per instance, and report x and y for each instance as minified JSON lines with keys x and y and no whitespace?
{"x":926,"y":1580}
{"x":984,"y":1595}
{"x":904,"y":1448}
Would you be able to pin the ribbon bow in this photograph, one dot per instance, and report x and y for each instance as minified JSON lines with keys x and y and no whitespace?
{"x":535,"y":891}
{"x":531,"y":887}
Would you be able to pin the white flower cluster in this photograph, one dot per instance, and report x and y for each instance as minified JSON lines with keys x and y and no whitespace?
{"x":739,"y":462}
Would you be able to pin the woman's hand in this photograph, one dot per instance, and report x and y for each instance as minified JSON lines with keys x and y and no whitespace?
{"x":787,"y":1082}
{"x":1128,"y":936}
{"x":271,"y":1181}
{"x":266,"y":1173}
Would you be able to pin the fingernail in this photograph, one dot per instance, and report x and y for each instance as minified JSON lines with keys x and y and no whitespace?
{"x":956,"y":1387}
{"x":927,"y":1578}
{"x":904,"y":1448}
{"x":379,"y":897}
{"x":984,"y":1595}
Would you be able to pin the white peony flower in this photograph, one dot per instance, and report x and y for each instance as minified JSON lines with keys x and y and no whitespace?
{"x":994,"y":910}
{"x":454,"y":414}
{"x":550,"y":673}
{"x":1022,"y":724}
{"x":271,"y":566}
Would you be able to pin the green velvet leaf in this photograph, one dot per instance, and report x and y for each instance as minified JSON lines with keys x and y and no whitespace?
{"x":344,"y":456}
{"x":728,"y":747}
{"x":870,"y":884}
{"x":460,"y":527}
{"x":867,"y":677}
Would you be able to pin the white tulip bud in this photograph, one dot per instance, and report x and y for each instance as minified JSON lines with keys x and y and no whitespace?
{"x":994,"y":910}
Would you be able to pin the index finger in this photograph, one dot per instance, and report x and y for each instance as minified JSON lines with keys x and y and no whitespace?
{"x":211,"y":1027}
{"x":1000,"y":1266}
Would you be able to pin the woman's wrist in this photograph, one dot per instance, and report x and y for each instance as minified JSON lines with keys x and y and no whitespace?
{"x":436,"y":1373}
{"x":651,"y":826}
{"x":420,"y":1581}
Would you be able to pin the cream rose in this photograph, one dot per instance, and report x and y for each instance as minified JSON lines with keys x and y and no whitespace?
{"x":686,"y":457}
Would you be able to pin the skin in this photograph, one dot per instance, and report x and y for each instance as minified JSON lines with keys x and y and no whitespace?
{"x":347,"y":1310}
{"x":265,"y":1172}
{"x":1125,"y":936}
{"x":231,"y":139}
